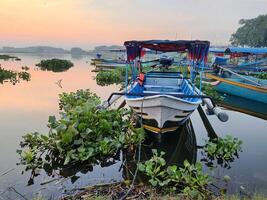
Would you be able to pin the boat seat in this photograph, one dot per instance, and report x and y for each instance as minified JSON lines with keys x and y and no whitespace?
{"x":158,"y":92}
{"x":160,"y":86}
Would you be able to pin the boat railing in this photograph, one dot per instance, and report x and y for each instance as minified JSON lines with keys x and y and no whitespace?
{"x":179,"y":95}
{"x":240,"y":76}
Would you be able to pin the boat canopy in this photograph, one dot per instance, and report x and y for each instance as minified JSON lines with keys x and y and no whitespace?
{"x":243,"y":50}
{"x":220,"y":61}
{"x":217,"y":51}
{"x":198,"y":50}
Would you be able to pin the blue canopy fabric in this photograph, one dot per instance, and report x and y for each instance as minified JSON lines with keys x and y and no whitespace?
{"x":220,"y":60}
{"x":246,"y":50}
{"x":215,"y":50}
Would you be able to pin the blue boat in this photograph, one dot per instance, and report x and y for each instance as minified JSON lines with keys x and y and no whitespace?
{"x":254,"y":59}
{"x":242,"y":86}
{"x":243,"y":105}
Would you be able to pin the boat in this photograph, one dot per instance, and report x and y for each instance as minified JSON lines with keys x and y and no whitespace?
{"x":246,"y":106}
{"x":249,"y":61}
{"x":164,"y":100}
{"x":235,"y":84}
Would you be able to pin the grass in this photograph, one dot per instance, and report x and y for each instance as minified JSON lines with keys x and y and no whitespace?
{"x":156,"y":196}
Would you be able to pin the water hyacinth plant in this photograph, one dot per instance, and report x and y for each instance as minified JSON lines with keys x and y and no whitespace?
{"x":55,"y":65}
{"x":83,"y":133}
{"x":188,"y":179}
{"x":221,"y":150}
{"x":13,"y":76}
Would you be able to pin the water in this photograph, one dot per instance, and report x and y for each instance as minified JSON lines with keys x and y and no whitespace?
{"x":25,"y":107}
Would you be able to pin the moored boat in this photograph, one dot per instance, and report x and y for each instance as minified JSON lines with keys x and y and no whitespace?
{"x":164,"y":100}
{"x":161,"y":101}
{"x":242,"y":86}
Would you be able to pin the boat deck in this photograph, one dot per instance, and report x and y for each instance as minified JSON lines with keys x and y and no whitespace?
{"x":165,"y":83}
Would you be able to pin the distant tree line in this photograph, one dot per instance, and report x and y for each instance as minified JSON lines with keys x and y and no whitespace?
{"x":253,"y":32}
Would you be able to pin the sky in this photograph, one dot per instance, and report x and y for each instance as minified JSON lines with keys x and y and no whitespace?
{"x":88,"y":23}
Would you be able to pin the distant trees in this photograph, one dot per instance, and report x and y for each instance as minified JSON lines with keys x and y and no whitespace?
{"x":253,"y":32}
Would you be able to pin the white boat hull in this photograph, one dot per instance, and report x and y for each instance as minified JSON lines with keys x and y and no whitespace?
{"x":162,"y":109}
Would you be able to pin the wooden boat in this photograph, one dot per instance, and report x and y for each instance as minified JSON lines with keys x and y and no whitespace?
{"x":164,"y":100}
{"x":242,"y":86}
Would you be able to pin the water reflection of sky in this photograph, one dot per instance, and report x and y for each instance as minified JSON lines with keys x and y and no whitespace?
{"x":26,"y":106}
{"x":250,"y":170}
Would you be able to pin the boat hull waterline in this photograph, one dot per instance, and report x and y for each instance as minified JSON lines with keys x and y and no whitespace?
{"x":167,"y":111}
{"x":240,"y":89}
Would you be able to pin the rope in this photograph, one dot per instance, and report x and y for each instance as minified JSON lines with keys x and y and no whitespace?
{"x":138,"y":158}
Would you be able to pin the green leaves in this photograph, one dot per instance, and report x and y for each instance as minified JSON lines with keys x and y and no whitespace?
{"x":52,"y":119}
{"x":189,"y":179}
{"x":224,"y":150}
{"x":81,"y":134}
{"x":253,"y":32}
{"x":55,"y":65}
{"x":116,"y":76}
{"x":13,"y":76}
{"x":209,"y":90}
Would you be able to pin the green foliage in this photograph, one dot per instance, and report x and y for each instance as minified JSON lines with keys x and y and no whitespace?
{"x":12,"y":76}
{"x":83,"y":133}
{"x":253,"y":32}
{"x":224,"y":150}
{"x":189,"y":179}
{"x":7,"y":57}
{"x":209,"y":90}
{"x":26,"y":68}
{"x":116,"y":76}
{"x":154,"y":168}
{"x":55,"y":65}
{"x":68,"y":101}
{"x":261,"y":76}
{"x":7,"y":75}
{"x":24,"y":76}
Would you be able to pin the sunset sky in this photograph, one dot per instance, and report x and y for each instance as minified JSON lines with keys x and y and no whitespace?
{"x":87,"y":23}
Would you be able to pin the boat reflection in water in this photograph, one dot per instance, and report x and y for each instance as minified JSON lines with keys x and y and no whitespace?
{"x":253,"y":108}
{"x":179,"y":145}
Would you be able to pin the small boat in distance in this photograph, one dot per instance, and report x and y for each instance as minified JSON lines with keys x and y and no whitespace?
{"x":241,"y":60}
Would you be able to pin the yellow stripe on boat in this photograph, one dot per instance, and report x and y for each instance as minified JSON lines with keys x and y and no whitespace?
{"x":159,"y":130}
{"x":252,"y":87}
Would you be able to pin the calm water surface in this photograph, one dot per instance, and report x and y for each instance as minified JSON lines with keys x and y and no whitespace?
{"x":25,"y":107}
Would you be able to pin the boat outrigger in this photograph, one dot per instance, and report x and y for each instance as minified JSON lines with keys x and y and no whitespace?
{"x":165,"y":100}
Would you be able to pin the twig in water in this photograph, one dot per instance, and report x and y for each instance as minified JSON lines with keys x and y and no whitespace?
{"x":12,"y":188}
{"x":7,"y":172}
{"x":49,"y":181}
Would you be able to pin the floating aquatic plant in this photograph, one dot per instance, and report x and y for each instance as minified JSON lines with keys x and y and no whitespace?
{"x":13,"y":76}
{"x":221,"y":150}
{"x":188,"y":179}
{"x":7,"y":57}
{"x":82,"y":134}
{"x":55,"y":65}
